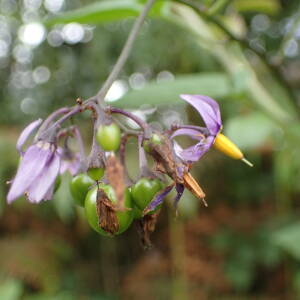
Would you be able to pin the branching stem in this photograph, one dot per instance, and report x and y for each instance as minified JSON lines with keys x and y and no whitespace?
{"x":125,"y":52}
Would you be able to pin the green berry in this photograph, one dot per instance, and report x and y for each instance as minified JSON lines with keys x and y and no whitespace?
{"x":144,"y":191}
{"x":124,"y":218}
{"x":109,"y":137}
{"x":79,"y":187}
{"x":96,"y":173}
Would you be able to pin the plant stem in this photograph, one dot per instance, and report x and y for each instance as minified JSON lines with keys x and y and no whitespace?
{"x":71,"y":113}
{"x":51,"y":117}
{"x":131,"y":116}
{"x":178,"y":258}
{"x":99,"y":97}
{"x":203,"y":130}
{"x":125,"y":52}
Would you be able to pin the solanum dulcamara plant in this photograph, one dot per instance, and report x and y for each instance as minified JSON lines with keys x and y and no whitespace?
{"x":112,"y":200}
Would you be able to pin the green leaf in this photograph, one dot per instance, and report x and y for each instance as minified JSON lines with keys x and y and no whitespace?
{"x":11,"y":289}
{"x":62,"y":200}
{"x":271,"y":7}
{"x":288,"y":239}
{"x":106,"y":11}
{"x":215,"y":85}
{"x":98,"y":12}
{"x":250,"y":131}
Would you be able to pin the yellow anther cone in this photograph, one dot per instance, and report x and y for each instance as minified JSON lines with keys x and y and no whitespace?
{"x":225,"y":145}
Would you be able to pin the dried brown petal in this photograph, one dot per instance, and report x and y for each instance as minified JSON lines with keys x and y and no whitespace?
{"x":192,"y":185}
{"x":164,"y":157}
{"x":106,"y":212}
{"x":115,"y":177}
{"x":146,"y":227}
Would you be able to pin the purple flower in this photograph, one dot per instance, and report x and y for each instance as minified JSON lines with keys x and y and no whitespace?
{"x":210,"y":113}
{"x":69,"y":161}
{"x":26,"y":133}
{"x":37,"y":171}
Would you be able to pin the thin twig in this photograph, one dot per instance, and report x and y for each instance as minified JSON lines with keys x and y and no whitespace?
{"x":112,"y":76}
{"x":137,"y":120}
{"x":125,"y":52}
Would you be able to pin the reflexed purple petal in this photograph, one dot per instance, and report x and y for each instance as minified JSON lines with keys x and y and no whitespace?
{"x":208,"y":109}
{"x":193,"y":133}
{"x":177,"y":148}
{"x":158,"y":199}
{"x":49,"y":194}
{"x":26,"y":133}
{"x":181,"y":168}
{"x":64,"y":166}
{"x":73,"y":165}
{"x":31,"y":166}
{"x":39,"y":189}
{"x":195,"y":152}
{"x":180,"y":190}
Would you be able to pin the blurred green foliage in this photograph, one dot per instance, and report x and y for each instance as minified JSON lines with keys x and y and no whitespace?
{"x":244,"y":53}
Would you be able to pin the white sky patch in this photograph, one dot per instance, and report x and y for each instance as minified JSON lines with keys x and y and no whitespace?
{"x":22,"y":54}
{"x":291,"y":48}
{"x":41,"y":74}
{"x":117,"y":91}
{"x":55,"y":38}
{"x":139,"y":114}
{"x":29,"y":106}
{"x":32,"y":4}
{"x":32,"y":34}
{"x":164,"y":76}
{"x":137,"y":81}
{"x":4,"y":48}
{"x":54,"y":6}
{"x":73,"y":33}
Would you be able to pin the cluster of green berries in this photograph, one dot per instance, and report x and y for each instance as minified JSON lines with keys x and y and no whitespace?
{"x":84,"y":188}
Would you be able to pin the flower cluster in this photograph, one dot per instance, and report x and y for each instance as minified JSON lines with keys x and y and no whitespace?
{"x":101,"y":183}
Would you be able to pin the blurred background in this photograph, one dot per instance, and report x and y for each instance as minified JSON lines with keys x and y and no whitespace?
{"x":243,"y":53}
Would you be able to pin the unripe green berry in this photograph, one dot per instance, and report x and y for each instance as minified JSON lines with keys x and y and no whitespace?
{"x":96,"y":173}
{"x":154,"y":139}
{"x":109,"y":137}
{"x":144,"y":190}
{"x":79,"y":187}
{"x":124,"y":218}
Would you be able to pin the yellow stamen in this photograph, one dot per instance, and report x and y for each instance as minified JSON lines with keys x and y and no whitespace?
{"x":225,"y":145}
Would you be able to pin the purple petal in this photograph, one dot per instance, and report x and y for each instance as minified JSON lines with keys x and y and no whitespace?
{"x":40,"y":189}
{"x":194,"y":153}
{"x":177,"y":148}
{"x":64,"y":166}
{"x":158,"y":199}
{"x":49,"y":194}
{"x":26,"y":133}
{"x":193,"y":133}
{"x":73,"y":165}
{"x":31,"y":166}
{"x":208,"y":109}
{"x":180,"y":190}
